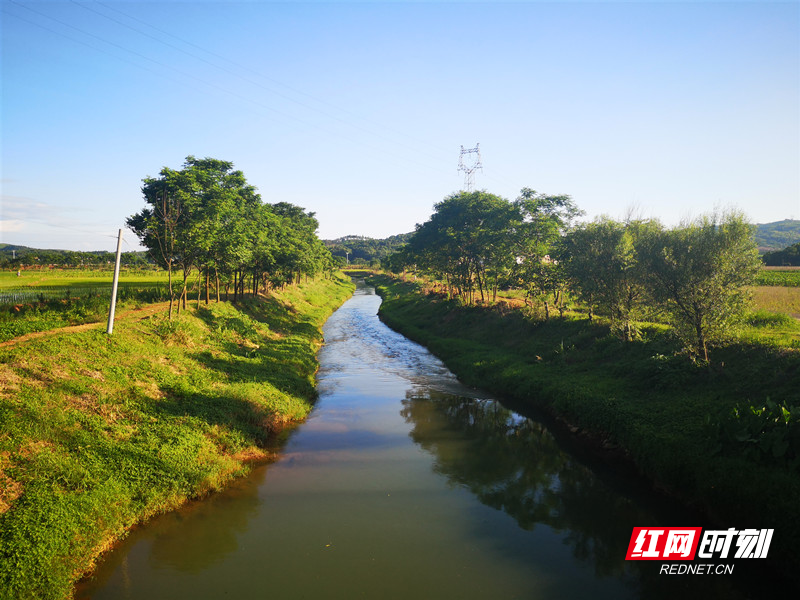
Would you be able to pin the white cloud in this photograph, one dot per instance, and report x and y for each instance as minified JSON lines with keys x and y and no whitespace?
{"x":11,"y":226}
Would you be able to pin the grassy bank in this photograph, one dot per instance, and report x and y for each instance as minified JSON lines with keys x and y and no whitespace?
{"x":100,"y":432}
{"x":642,"y":398}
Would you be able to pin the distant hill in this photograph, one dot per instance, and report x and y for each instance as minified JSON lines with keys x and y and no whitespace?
{"x":777,"y":235}
{"x":12,"y":248}
{"x":359,"y":249}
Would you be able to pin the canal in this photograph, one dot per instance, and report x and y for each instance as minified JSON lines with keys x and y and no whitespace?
{"x":403,"y":483}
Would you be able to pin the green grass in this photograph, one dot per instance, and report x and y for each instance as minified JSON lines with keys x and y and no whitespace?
{"x":18,"y":320}
{"x":768,"y":328}
{"x":100,"y":432}
{"x":646,"y":397}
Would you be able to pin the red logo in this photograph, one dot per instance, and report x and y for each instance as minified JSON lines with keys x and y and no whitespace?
{"x":663,"y":543}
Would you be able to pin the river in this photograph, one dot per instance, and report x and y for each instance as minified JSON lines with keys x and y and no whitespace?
{"x":403,"y":483}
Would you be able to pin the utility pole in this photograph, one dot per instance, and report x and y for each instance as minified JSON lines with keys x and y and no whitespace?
{"x":469,"y":169}
{"x":110,"y":328}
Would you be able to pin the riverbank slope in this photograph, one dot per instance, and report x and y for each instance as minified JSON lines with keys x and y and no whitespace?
{"x":641,"y":399}
{"x":98,"y":432}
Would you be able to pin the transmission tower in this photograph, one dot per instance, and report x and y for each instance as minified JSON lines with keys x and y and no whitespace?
{"x":473,"y":164}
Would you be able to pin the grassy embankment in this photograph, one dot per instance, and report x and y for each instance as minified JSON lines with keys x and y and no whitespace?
{"x":100,"y":432}
{"x":642,"y":397}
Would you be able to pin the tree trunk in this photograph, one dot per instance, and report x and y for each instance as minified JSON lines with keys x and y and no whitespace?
{"x":701,"y":342}
{"x":184,"y":292}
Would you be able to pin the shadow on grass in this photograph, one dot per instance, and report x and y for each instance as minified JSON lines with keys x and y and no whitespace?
{"x":279,"y":316}
{"x":247,"y":421}
{"x":287,"y":361}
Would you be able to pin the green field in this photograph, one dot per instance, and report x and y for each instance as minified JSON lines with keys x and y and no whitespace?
{"x":77,"y":277}
{"x":776,"y":276}
{"x":49,"y":284}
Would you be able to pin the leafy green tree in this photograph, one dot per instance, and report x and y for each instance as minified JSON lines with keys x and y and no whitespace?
{"x":196,"y":217}
{"x":465,"y":241}
{"x":602,"y":264}
{"x":368,"y":250}
{"x":700,"y":272}
{"x":157,"y":225}
{"x":543,"y":220}
{"x":477,"y":241}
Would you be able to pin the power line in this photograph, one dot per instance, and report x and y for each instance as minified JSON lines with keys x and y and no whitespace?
{"x":469,"y":177}
{"x":439,"y":150}
{"x":222,"y":89}
{"x":246,"y":79}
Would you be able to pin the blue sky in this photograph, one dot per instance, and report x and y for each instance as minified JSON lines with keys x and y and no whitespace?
{"x":358,"y":110}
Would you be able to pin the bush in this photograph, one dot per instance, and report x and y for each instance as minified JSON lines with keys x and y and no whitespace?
{"x":768,"y":434}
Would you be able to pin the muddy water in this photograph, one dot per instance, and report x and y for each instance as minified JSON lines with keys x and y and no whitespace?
{"x":402,"y":484}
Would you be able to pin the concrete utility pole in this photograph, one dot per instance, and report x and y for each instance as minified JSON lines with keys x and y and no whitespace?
{"x":110,"y":328}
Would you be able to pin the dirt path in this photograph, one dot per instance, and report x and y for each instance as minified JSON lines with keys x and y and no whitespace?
{"x":131,"y":314}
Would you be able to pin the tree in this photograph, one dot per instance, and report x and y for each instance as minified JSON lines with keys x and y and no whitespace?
{"x":475,"y":241}
{"x":197,"y":217}
{"x":602,"y":264}
{"x":157,"y":225}
{"x":543,"y":220}
{"x":465,"y":241}
{"x":699,"y":271}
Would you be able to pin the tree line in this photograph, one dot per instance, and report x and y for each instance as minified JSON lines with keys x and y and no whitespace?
{"x":23,"y":256}
{"x":694,"y":275}
{"x":788,"y":257}
{"x":206,"y":219}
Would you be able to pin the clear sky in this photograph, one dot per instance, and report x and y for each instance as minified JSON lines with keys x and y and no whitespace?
{"x":358,"y":110}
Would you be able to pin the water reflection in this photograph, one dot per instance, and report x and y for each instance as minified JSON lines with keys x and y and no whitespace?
{"x":189,"y":540}
{"x":514,"y":464}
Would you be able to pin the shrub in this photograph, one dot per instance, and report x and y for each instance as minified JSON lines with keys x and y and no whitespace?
{"x":768,"y":434}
